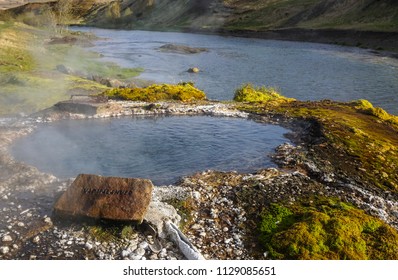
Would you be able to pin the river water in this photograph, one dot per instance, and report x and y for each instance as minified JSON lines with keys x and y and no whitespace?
{"x":305,"y":71}
{"x":162,"y":149}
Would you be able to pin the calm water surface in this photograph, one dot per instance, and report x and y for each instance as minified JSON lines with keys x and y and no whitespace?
{"x":162,"y":149}
{"x":305,"y":71}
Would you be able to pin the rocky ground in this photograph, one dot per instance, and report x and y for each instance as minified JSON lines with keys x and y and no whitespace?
{"x":217,"y":210}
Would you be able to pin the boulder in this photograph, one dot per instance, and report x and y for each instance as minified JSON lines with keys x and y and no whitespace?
{"x":111,"y":198}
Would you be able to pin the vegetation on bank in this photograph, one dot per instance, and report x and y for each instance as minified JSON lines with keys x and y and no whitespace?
{"x":358,"y":139}
{"x":184,"y":92}
{"x":325,"y":228}
{"x":29,"y":78}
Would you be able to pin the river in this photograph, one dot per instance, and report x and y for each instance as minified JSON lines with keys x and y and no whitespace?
{"x":306,"y":71}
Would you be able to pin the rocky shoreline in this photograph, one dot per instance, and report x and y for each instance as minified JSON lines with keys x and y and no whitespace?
{"x":217,"y":211}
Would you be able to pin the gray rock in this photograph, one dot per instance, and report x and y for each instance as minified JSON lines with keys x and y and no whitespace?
{"x":64,"y":69}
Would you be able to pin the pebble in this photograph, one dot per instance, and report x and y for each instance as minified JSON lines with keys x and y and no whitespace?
{"x":143,"y":245}
{"x":4,"y":250}
{"x":6,"y":238}
{"x":125,"y":253}
{"x":47,"y":220}
{"x":140,"y":251}
{"x":21,"y":224}
{"x":36,"y":239}
{"x":134,"y":257}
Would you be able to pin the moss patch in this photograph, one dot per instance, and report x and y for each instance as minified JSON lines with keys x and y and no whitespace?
{"x":358,"y":139}
{"x":181,"y":92}
{"x":325,"y":229}
{"x":249,"y":93}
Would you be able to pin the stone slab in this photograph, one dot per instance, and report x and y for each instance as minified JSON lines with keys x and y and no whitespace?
{"x":112,"y":198}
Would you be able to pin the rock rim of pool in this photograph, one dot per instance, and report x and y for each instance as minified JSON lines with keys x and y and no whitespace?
{"x":110,"y":198}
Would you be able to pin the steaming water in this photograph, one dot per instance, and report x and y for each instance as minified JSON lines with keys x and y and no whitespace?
{"x":305,"y":71}
{"x":162,"y":149}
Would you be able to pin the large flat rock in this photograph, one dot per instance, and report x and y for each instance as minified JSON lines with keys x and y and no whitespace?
{"x":113,"y":198}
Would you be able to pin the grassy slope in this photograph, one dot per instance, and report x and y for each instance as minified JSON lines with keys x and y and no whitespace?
{"x":28,"y":77}
{"x":262,"y":15}
{"x":338,"y":14}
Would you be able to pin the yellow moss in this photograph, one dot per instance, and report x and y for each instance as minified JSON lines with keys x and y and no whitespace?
{"x":366,"y":107}
{"x":181,"y":92}
{"x":249,"y":93}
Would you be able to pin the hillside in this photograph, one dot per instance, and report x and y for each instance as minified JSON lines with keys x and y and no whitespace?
{"x":366,"y":23}
{"x":369,"y":15}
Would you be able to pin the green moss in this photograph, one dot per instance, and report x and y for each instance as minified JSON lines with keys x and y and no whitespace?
{"x":83,"y":86}
{"x":184,"y":209}
{"x":104,"y":233}
{"x":127,"y":232}
{"x":325,"y":229}
{"x":180,"y":92}
{"x":111,"y":233}
{"x":249,"y":93}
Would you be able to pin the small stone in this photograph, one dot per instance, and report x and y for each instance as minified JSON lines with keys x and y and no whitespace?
{"x":125,"y":253}
{"x":21,"y":224}
{"x":227,"y":241}
{"x":6,"y":238}
{"x":32,"y":257}
{"x":196,"y":226}
{"x":140,"y":251}
{"x":163,"y":253}
{"x":196,"y":195}
{"x":36,"y":239}
{"x":154,"y":257}
{"x":4,"y":250}
{"x":202,"y":234}
{"x":143,"y":245}
{"x":225,"y":229}
{"x":134,"y":257}
{"x":47,"y":220}
{"x":193,"y":70}
{"x":238,"y":252}
{"x":15,"y":246}
{"x":5,"y":197}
